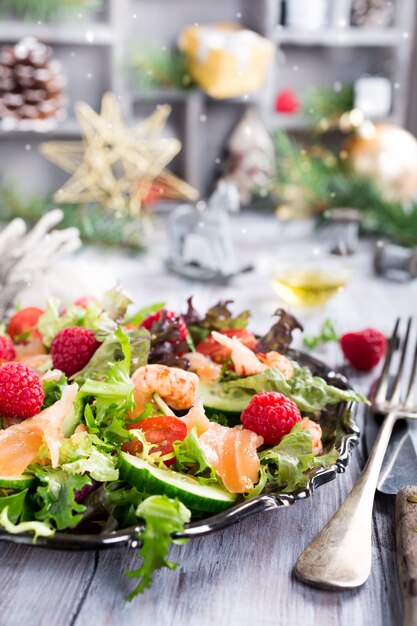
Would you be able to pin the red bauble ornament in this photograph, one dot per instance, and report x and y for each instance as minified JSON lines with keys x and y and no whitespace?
{"x":286,"y":102}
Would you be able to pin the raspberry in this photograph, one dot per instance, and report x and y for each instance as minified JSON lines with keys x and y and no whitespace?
{"x":271,"y":415}
{"x":21,"y":392}
{"x":364,"y":348}
{"x":72,"y":348}
{"x":169,"y":316}
{"x":7,"y":351}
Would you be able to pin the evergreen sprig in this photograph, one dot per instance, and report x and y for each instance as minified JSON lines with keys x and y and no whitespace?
{"x":45,"y":9}
{"x":153,"y":68}
{"x":327,"y":105}
{"x":96,"y":224}
{"x":312,"y":179}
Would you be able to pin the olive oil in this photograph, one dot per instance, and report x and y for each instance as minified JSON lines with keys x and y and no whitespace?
{"x":308,"y":287}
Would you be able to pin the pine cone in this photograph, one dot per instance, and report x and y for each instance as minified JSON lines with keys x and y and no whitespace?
{"x":31,"y":87}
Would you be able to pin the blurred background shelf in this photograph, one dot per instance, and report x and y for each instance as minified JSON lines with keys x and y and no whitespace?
{"x":86,"y":33}
{"x":364,"y":37}
{"x":94,"y":53}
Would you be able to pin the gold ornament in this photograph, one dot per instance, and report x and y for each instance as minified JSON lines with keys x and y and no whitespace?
{"x":388,"y":154}
{"x":112,"y":160}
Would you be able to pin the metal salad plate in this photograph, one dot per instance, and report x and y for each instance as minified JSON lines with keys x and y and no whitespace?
{"x":339,"y":430}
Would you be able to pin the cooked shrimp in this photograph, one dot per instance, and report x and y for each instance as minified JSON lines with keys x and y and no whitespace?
{"x":177,"y":387}
{"x":278,"y":361}
{"x":315,"y":431}
{"x":205,"y":368}
{"x":244,"y":360}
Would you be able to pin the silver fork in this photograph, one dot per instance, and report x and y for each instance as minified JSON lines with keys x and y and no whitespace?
{"x":340,"y":556}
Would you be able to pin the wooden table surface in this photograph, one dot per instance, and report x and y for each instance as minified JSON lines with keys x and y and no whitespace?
{"x":241,"y":576}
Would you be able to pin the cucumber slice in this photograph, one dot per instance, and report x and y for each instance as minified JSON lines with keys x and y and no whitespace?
{"x":234,"y":401}
{"x":16,"y":482}
{"x":152,"y":480}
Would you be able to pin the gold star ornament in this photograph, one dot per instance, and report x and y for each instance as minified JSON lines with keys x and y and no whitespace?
{"x":114,"y":164}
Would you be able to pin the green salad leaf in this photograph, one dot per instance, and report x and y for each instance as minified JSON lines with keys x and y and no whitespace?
{"x":115,"y":303}
{"x":57,"y":496}
{"x":163,"y":516}
{"x":53,"y":391}
{"x":14,"y":504}
{"x":85,"y":453}
{"x":110,"y":351}
{"x":327,"y":334}
{"x":39,"y":529}
{"x":310,"y":393}
{"x":101,"y":317}
{"x":190,"y":453}
{"x":288,"y":462}
{"x":116,"y":390}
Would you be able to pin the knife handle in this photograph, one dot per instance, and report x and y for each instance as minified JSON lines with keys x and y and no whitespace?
{"x":406,"y":535}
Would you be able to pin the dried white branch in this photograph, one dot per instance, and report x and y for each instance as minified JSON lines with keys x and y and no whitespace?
{"x":24,"y":255}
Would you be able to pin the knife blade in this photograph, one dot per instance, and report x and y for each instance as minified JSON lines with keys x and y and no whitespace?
{"x":399,"y":471}
{"x":399,"y":468}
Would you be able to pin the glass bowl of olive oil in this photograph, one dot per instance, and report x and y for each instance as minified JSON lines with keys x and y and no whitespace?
{"x":309,"y":280}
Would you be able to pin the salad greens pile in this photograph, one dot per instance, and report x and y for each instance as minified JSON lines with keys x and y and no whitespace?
{"x":90,"y":492}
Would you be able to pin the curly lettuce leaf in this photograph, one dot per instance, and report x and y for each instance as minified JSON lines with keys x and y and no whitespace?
{"x":85,"y":453}
{"x":310,"y":393}
{"x":190,"y":453}
{"x":53,"y":391}
{"x":163,"y":516}
{"x":56,"y":496}
{"x":39,"y":529}
{"x":110,"y":351}
{"x":101,"y":317}
{"x":115,"y":303}
{"x":287,"y":463}
{"x":279,"y":336}
{"x":14,"y":504}
{"x":116,"y":390}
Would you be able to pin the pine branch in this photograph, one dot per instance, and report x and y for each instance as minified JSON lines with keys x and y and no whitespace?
{"x":153,"y":67}
{"x":45,"y":9}
{"x":310,"y":180}
{"x":326,"y":105}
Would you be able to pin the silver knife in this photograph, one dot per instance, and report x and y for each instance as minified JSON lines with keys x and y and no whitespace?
{"x":398,"y":472}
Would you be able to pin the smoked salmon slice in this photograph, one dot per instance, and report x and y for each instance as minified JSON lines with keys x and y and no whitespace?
{"x":232,"y":451}
{"x":20,"y":443}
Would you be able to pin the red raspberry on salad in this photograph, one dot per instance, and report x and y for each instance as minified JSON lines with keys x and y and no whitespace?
{"x":271,"y":415}
{"x":364,"y":349}
{"x":7,"y":351}
{"x":169,"y":316}
{"x":21,"y":392}
{"x":22,"y":325}
{"x":72,"y":348}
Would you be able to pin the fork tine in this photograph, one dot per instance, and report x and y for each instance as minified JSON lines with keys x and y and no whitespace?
{"x":408,"y":402}
{"x":396,"y":394}
{"x":382,"y":388}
